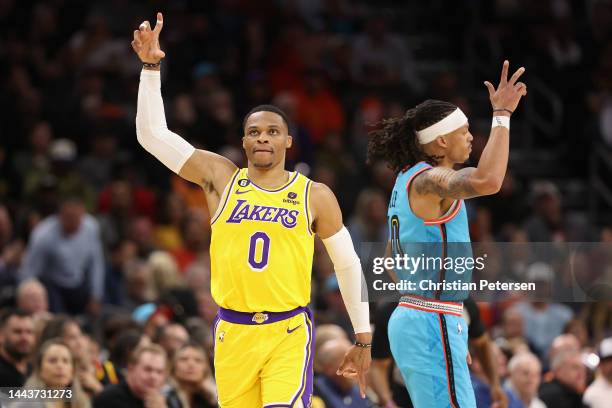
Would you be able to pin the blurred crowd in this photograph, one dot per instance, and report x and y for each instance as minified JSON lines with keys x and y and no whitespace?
{"x":104,"y":252}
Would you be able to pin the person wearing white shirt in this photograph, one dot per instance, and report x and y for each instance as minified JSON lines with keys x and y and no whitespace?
{"x":599,"y":393}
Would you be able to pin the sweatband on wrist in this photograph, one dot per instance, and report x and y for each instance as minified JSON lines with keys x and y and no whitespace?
{"x":449,"y":124}
{"x":348,"y":272}
{"x":501,"y":121}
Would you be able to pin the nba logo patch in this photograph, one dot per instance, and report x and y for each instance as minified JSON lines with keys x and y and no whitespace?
{"x":259,"y":318}
{"x":221,"y":336}
{"x":459,"y":328}
{"x":243,"y":182}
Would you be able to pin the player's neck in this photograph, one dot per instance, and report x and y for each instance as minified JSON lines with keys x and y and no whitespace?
{"x":269,"y":178}
{"x":444,"y":162}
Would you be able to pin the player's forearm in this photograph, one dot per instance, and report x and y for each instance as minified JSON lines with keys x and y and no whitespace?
{"x":349,"y":274}
{"x":493,"y":162}
{"x":151,"y":128}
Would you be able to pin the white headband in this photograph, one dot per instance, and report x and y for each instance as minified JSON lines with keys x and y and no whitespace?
{"x":450,"y":123}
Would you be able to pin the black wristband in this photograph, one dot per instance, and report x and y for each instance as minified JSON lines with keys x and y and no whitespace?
{"x":363,"y":345}
{"x":503,"y":110}
{"x":150,"y":65}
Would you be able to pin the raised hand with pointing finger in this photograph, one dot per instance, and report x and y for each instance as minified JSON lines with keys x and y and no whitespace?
{"x":146,"y":41}
{"x":508,"y":94}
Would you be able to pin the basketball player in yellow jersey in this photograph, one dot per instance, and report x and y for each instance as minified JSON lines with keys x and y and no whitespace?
{"x":263,"y":227}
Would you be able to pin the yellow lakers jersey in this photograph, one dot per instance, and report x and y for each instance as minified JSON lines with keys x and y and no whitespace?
{"x":262,"y":245}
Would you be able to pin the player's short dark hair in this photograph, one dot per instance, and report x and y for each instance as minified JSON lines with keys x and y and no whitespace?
{"x":395,"y":140}
{"x":8,"y":313}
{"x":266,"y":108}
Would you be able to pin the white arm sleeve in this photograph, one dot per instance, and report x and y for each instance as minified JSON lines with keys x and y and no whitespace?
{"x":151,"y":129}
{"x":348,"y":271}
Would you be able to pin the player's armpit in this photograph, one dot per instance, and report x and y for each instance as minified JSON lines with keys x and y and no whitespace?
{"x":455,"y":184}
{"x":209,"y":170}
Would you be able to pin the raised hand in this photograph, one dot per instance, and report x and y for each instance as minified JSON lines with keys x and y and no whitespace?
{"x":509,"y":92}
{"x":146,"y":41}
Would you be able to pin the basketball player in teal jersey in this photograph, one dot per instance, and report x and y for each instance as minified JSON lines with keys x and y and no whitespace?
{"x":427,"y":334}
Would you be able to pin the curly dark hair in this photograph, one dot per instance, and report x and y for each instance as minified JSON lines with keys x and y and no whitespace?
{"x":395,"y":140}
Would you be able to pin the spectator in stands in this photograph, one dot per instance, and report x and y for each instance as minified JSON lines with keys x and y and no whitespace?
{"x":70,"y":183}
{"x":116,"y":220}
{"x":140,"y":232}
{"x":54,"y":367}
{"x":331,"y":389}
{"x":146,"y":374}
{"x":96,"y":167}
{"x":65,"y":253}
{"x":195,"y":239}
{"x":525,"y":374}
{"x":318,"y":108}
{"x":511,"y":337}
{"x":480,"y":380}
{"x":16,"y":344}
{"x":138,"y":285}
{"x":11,"y":251}
{"x":69,"y":331}
{"x":569,"y":380}
{"x":113,"y":370}
{"x":35,"y":162}
{"x":32,"y":297}
{"x":599,"y":393}
{"x":164,"y":273}
{"x":368,"y":223}
{"x":561,"y":344}
{"x":192,"y":384}
{"x":172,"y":337}
{"x":543,"y":321}
{"x":546,"y":223}
{"x":381,"y":58}
{"x":167,"y":231}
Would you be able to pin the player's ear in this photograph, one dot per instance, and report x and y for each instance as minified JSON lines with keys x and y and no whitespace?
{"x":442,"y":142}
{"x":289,"y":141}
{"x":243,"y":140}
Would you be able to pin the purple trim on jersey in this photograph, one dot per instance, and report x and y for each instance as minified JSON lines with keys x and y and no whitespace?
{"x":229,"y":193}
{"x":308,"y":389}
{"x":278,"y":189}
{"x":306,"y":205}
{"x":235,"y":317}
{"x":305,"y":389}
{"x":214,"y":332}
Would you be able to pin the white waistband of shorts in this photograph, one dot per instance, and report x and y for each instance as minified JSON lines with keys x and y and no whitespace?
{"x":430,"y":305}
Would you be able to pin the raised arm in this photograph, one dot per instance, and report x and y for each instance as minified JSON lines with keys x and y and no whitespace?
{"x":488,"y":176}
{"x":327,"y":219}
{"x":208,"y":169}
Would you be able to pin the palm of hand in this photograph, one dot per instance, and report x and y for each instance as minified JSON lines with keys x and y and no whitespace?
{"x":509,"y":92}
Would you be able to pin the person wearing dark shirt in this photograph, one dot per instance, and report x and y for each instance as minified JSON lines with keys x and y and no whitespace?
{"x":145,"y":376}
{"x":569,"y":381}
{"x":17,"y":330}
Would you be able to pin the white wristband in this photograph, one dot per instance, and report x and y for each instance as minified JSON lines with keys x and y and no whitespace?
{"x":501,"y":121}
